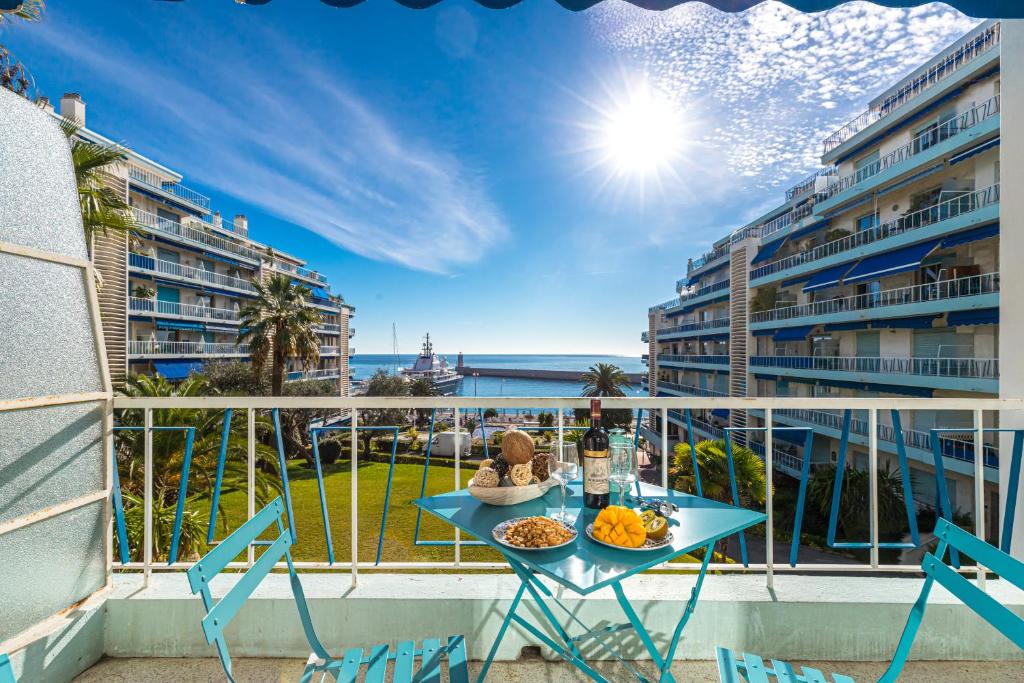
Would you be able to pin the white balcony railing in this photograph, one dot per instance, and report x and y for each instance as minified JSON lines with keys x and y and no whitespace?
{"x":969,"y":368}
{"x":951,"y":208}
{"x":171,"y":308}
{"x":458,"y":409}
{"x":691,"y":390}
{"x":701,"y":359}
{"x":330,"y":350}
{"x":327,"y":328}
{"x":717,"y":323}
{"x":944,"y":68}
{"x":186,"y":348}
{"x":320,"y":373}
{"x":300,"y":271}
{"x":193,"y":236}
{"x":960,"y":288}
{"x":709,"y":257}
{"x":154,"y":181}
{"x":919,"y":144}
{"x":200,"y":275}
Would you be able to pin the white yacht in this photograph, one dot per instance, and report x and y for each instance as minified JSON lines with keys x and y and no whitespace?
{"x":429,"y":366}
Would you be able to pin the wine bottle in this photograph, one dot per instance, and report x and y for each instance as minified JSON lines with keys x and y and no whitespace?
{"x":595,"y":461}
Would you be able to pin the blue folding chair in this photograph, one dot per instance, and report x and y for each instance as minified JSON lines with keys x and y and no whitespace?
{"x":6,"y":670}
{"x":345,"y":669}
{"x":748,"y":668}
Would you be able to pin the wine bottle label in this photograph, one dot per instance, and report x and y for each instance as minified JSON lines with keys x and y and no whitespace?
{"x":595,"y":472}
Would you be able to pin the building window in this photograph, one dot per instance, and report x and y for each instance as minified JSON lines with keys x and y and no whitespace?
{"x":867,"y":222}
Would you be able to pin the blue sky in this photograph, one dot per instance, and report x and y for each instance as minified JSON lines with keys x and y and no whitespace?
{"x":465,"y":171}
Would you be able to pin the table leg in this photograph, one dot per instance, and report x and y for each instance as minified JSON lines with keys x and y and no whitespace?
{"x":664,"y":665}
{"x":501,"y":633}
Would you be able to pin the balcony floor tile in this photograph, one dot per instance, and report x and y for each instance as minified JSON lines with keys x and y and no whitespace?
{"x":530,"y":668}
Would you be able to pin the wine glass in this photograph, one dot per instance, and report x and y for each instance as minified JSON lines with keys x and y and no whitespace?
{"x":564,"y":466}
{"x":622,"y":466}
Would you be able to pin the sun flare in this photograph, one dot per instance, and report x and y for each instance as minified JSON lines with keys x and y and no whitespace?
{"x":641,"y":133}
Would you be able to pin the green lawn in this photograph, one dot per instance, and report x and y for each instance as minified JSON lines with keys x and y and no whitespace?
{"x":398,"y":536}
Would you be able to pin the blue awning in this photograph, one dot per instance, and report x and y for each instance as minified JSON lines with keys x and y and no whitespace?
{"x":220,"y":328}
{"x":807,"y":230}
{"x":177,"y":369}
{"x":225,"y":259}
{"x":891,"y":262}
{"x":793,"y":333}
{"x":763,"y":333}
{"x":829,"y":277}
{"x":718,"y":336}
{"x":979,"y":316}
{"x":321,"y":293}
{"x":982,"y":233}
{"x":766,"y":251}
{"x":912,"y":179}
{"x":917,"y":322}
{"x":842,"y":327}
{"x":720,"y":412}
{"x":795,"y":280}
{"x":171,"y":325}
{"x":847,"y":207}
{"x":983,"y":147}
{"x":794,"y":435}
{"x":701,"y":304}
{"x":694,"y":279}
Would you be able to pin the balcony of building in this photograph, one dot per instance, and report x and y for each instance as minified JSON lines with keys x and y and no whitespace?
{"x":713,"y":257}
{"x":299,"y":272}
{"x":691,"y":329}
{"x":695,"y":297}
{"x":928,"y":85}
{"x":188,"y":274}
{"x":194,"y":237}
{"x":969,"y":210}
{"x":958,"y":294}
{"x":138,"y":306}
{"x":185,"y":349}
{"x":327,"y":328}
{"x":328,"y":350}
{"x":957,"y":374}
{"x":974,"y":131}
{"x":307,"y":375}
{"x":173,"y":191}
{"x":694,"y":361}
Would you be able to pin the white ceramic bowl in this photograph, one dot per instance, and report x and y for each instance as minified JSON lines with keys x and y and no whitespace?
{"x":510,"y":495}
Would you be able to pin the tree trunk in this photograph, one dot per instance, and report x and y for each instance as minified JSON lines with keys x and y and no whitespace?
{"x":277,"y":374}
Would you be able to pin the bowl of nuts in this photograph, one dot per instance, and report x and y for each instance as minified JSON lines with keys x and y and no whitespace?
{"x":534,"y":533}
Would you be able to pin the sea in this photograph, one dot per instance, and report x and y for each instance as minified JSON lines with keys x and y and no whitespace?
{"x":364,"y":365}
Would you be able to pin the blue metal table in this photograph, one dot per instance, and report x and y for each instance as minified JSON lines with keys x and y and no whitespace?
{"x":586,"y":566}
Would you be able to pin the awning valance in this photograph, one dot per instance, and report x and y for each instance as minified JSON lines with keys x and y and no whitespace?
{"x":995,"y":9}
{"x":830,"y":277}
{"x":172,"y":325}
{"x":793,"y":333}
{"x":983,"y":147}
{"x":917,"y":322}
{"x":891,"y":262}
{"x":968,"y":236}
{"x":766,"y":251}
{"x":979,"y":316}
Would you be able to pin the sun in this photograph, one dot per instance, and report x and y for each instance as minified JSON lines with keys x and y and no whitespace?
{"x":641,"y":133}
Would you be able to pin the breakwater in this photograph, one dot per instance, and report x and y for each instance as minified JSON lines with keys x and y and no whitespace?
{"x":528,"y":373}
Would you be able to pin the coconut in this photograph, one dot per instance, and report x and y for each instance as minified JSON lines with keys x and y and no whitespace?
{"x":517,"y":447}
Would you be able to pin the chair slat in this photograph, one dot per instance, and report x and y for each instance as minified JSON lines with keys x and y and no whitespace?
{"x":377,"y":664}
{"x":228,"y":549}
{"x":727,"y":669}
{"x":350,"y":664}
{"x":988,"y":556}
{"x":784,"y":671}
{"x":987,"y":607}
{"x":840,"y":678}
{"x":6,"y":669}
{"x":813,"y":675}
{"x":458,"y":671}
{"x":405,"y":653}
{"x":430,"y":666}
{"x":217,"y":619}
{"x":754,"y":668}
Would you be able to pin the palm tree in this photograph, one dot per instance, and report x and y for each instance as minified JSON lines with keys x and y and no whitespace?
{"x":604,"y":379}
{"x":714,"y":474}
{"x":13,"y":74}
{"x":168,"y":456}
{"x":279,"y":325}
{"x":853,"y":516}
{"x":422,"y":386}
{"x":103,"y":208}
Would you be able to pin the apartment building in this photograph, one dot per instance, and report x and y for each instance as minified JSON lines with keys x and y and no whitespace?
{"x":171,"y":296}
{"x":877,"y":275}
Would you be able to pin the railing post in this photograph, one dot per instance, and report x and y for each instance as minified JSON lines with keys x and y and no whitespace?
{"x":355,"y":496}
{"x":458,"y":454}
{"x":250,"y":457}
{"x":664,"y":448}
{"x":873,"y":483}
{"x":561,"y":429}
{"x":769,"y":466}
{"x":147,"y":496}
{"x":979,"y":484}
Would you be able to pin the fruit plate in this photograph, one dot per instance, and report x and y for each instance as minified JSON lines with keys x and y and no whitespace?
{"x":510,"y":495}
{"x":500,"y":529}
{"x":648,"y":544}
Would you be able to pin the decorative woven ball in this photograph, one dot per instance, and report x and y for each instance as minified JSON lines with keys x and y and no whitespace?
{"x":517,"y":447}
{"x":521,"y":474}
{"x":486,"y":463}
{"x":541,"y":465}
{"x":500,"y":466}
{"x":486,"y":478}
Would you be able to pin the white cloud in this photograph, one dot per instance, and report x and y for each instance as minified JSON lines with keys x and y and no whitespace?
{"x":303,"y":145}
{"x":774,"y":82}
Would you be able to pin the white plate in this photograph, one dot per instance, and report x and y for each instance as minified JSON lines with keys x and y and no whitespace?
{"x":499,"y":534}
{"x":648,"y":544}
